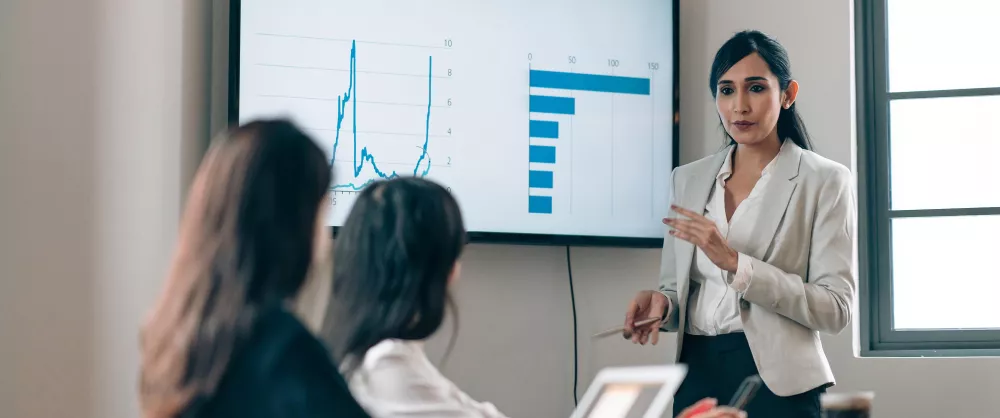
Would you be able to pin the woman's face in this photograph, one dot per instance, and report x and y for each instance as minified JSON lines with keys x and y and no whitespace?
{"x":749,"y":100}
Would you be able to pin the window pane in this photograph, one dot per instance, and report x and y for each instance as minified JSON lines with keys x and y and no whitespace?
{"x":945,"y":272}
{"x":943,"y":152}
{"x":939,"y":45}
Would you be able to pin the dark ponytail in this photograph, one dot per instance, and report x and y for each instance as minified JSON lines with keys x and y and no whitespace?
{"x":790,"y":124}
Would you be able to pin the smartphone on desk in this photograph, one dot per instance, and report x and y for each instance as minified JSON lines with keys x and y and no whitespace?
{"x":745,"y":393}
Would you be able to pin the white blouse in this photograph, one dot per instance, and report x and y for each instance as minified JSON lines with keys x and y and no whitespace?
{"x":714,"y":299}
{"x":396,"y":379}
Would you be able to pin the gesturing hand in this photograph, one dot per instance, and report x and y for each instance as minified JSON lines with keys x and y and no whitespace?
{"x":703,"y":233}
{"x":646,"y":304}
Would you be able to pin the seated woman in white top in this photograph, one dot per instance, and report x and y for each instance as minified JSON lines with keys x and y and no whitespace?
{"x":394,"y":259}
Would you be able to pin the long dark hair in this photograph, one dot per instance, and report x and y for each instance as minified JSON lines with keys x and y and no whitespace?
{"x":742,"y":44}
{"x":245,"y":246}
{"x":391,"y":265}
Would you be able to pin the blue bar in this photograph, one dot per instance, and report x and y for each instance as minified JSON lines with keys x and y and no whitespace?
{"x":540,"y":179}
{"x":551,"y":104}
{"x":543,"y":129}
{"x":588,"y":82}
{"x":539,"y":204}
{"x":542,"y":154}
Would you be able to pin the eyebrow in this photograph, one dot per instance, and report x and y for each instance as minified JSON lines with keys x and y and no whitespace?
{"x":751,"y":78}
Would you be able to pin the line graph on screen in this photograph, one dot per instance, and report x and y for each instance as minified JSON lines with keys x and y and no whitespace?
{"x":421,"y":168}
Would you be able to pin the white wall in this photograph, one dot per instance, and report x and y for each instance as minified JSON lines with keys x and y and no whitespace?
{"x":104,"y":112}
{"x":102,"y":117}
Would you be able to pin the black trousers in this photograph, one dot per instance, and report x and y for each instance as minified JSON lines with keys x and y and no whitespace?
{"x":717,"y":366}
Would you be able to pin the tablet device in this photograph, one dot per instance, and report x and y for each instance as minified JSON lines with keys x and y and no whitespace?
{"x":631,"y":392}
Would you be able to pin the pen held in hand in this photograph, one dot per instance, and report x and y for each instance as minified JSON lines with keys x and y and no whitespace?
{"x":621,"y":329}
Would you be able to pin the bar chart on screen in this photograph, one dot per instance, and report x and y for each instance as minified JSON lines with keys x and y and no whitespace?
{"x":604,"y":110}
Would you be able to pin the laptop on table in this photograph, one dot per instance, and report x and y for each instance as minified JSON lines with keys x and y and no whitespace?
{"x":631,"y":392}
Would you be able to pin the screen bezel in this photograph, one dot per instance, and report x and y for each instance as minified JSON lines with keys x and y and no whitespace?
{"x":478,"y":236}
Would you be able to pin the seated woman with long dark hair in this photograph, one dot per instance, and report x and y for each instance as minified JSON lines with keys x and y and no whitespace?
{"x":222,"y":340}
{"x":393,"y":262}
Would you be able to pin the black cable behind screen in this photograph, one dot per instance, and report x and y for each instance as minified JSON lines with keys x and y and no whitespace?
{"x":576,"y":360}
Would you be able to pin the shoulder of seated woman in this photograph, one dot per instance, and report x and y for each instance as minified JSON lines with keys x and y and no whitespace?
{"x":395,"y":348}
{"x":395,"y":352}
{"x":277,"y":338}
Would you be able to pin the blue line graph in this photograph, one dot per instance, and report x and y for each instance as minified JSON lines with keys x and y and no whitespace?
{"x":351,"y":95}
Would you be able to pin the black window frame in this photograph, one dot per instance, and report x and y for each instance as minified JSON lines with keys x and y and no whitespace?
{"x":878,"y":338}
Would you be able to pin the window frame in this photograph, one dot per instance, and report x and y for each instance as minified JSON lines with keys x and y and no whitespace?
{"x":878,"y":338}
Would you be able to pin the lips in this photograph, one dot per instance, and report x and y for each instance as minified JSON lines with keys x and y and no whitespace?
{"x":743,"y":125}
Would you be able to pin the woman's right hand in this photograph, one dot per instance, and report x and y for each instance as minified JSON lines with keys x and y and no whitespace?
{"x":706,"y":408}
{"x":646,"y":304}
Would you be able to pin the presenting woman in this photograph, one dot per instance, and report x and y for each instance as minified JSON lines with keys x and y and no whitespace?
{"x":759,"y":256}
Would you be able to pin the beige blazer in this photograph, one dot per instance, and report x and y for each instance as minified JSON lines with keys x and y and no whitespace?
{"x":803,"y":258}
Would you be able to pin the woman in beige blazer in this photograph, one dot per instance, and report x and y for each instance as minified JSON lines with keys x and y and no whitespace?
{"x":759,"y":259}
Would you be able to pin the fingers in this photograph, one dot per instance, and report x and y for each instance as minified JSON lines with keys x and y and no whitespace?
{"x":689,"y":214}
{"x":687,"y":224}
{"x":686,"y":237}
{"x":644,"y":306}
{"x":658,"y":307}
{"x":637,"y":308}
{"x":689,"y":230}
{"x":698,"y":408}
{"x":630,"y":317}
{"x":636,"y":336}
{"x":643,"y":333}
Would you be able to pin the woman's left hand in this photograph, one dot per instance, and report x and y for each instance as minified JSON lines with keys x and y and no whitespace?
{"x":703,"y":233}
